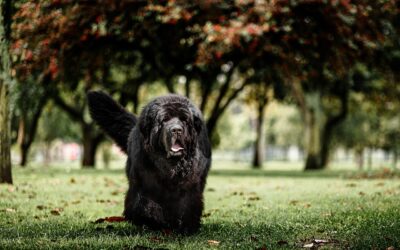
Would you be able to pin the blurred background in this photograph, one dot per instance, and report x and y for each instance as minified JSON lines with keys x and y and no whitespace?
{"x":300,"y":84}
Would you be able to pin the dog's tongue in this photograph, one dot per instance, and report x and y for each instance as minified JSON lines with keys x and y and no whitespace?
{"x":176,"y":147}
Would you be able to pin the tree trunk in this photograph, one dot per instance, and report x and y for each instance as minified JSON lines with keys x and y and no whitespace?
{"x":24,"y":155}
{"x":369,"y":160}
{"x":5,"y":152}
{"x":27,"y":132}
{"x":258,"y":156}
{"x":90,"y":143}
{"x":313,"y":123}
{"x":5,"y":155}
{"x":169,"y":83}
{"x":330,"y":125}
{"x":360,"y":158}
{"x":187,"y":87}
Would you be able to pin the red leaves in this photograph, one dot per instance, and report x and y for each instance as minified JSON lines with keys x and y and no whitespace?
{"x":218,"y":54}
{"x":53,"y":68}
{"x":111,"y":219}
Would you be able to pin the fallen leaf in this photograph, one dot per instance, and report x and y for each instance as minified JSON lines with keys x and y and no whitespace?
{"x":56,"y":211}
{"x":10,"y":210}
{"x":361,"y":193}
{"x":294,"y":202}
{"x":206,"y":215}
{"x":282,"y":242}
{"x":321,"y":241}
{"x":155,"y":239}
{"x":309,"y":245}
{"x":254,"y":198}
{"x":40,"y":207}
{"x":391,"y":248}
{"x":213,"y":242}
{"x":111,"y":219}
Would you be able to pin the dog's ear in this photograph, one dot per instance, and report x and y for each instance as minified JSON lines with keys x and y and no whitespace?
{"x":197,"y":119}
{"x":111,"y":117}
{"x":198,"y":123}
{"x":148,"y":119}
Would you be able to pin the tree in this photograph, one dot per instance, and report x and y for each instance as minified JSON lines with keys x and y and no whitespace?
{"x":28,"y":112}
{"x":5,"y":82}
{"x":214,"y":44}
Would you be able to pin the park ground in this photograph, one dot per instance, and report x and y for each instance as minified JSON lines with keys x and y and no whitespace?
{"x":274,"y":208}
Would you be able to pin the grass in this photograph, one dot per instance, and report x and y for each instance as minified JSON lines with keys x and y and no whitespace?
{"x":54,"y":208}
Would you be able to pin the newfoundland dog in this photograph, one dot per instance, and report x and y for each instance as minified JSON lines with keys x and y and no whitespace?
{"x":169,"y":155}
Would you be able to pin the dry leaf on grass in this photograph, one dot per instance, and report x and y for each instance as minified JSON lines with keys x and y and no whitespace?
{"x":41,"y":207}
{"x":111,"y":219}
{"x":282,"y":242}
{"x":56,"y":211}
{"x":315,"y":243}
{"x":213,"y":242}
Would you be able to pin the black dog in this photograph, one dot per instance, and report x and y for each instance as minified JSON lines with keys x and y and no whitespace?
{"x":169,"y":155}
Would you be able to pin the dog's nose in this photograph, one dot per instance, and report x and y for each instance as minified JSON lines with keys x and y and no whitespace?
{"x":176,"y":129}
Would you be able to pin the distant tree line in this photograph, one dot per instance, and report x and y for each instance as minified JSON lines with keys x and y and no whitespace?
{"x":330,"y":58}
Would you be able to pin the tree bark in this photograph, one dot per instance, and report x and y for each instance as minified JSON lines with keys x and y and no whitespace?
{"x":187,"y":86}
{"x":309,"y":105}
{"x":313,"y":160}
{"x":5,"y":155}
{"x":27,"y":132}
{"x":330,"y":125}
{"x":314,"y":123}
{"x":90,"y":143}
{"x":369,"y":159}
{"x":360,"y":158}
{"x":318,"y":125}
{"x":169,"y":83}
{"x":258,"y":155}
{"x":5,"y":80}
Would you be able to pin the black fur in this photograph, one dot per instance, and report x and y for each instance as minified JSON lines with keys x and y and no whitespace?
{"x":111,"y":117}
{"x":169,"y":155}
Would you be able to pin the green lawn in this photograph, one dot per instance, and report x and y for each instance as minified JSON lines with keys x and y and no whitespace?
{"x":51,"y":208}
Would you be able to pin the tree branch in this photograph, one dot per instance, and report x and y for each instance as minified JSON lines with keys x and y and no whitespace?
{"x":74,"y":113}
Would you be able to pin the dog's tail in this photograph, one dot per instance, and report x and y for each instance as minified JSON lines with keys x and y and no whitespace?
{"x":116,"y":121}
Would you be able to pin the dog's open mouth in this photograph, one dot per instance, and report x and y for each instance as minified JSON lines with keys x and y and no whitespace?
{"x":176,"y":148}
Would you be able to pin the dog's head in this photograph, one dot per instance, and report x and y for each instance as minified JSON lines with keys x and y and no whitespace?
{"x":170,"y":126}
